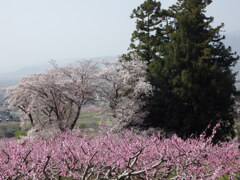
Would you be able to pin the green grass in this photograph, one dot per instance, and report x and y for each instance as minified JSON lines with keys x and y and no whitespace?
{"x":91,"y":113}
{"x":8,"y":129}
{"x":89,"y":120}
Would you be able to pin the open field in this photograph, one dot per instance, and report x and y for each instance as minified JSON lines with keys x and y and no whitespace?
{"x":7,"y":129}
{"x":89,"y":119}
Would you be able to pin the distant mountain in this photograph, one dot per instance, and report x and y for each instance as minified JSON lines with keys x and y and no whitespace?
{"x":233,"y":40}
{"x":11,"y":78}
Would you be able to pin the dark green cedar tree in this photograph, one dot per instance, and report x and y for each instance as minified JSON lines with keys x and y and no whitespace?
{"x":189,"y":65}
{"x":148,"y":35}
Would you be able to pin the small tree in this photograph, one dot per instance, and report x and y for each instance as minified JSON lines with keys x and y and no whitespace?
{"x":53,"y":99}
{"x":122,"y":86}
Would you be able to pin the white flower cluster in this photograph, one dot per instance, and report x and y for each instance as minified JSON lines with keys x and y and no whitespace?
{"x":54,"y":99}
{"x":123,"y":84}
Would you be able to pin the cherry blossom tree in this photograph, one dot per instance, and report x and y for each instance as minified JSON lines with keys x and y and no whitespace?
{"x":54,"y":99}
{"x":123,"y":85}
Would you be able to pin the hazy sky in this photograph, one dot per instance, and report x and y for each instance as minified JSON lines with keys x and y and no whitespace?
{"x":34,"y":31}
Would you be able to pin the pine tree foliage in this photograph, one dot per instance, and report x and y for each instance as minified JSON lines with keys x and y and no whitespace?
{"x":190,"y":68}
{"x":148,"y":35}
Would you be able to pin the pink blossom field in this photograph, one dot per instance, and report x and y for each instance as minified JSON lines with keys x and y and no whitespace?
{"x":91,"y":108}
{"x":118,"y":156}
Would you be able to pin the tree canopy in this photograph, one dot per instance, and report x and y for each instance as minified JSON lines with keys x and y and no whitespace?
{"x":189,"y":66}
{"x":54,"y":98}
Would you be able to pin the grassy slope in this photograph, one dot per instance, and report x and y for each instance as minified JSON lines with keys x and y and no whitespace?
{"x":89,"y":119}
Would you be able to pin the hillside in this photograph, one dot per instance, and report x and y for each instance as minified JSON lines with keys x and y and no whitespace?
{"x":11,"y":78}
{"x":233,"y":40}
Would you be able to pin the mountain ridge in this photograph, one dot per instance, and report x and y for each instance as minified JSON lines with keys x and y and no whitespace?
{"x":11,"y":78}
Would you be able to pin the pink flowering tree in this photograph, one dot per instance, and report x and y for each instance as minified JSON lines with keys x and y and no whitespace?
{"x":122,"y":86}
{"x":121,"y":156}
{"x":54,"y":98}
